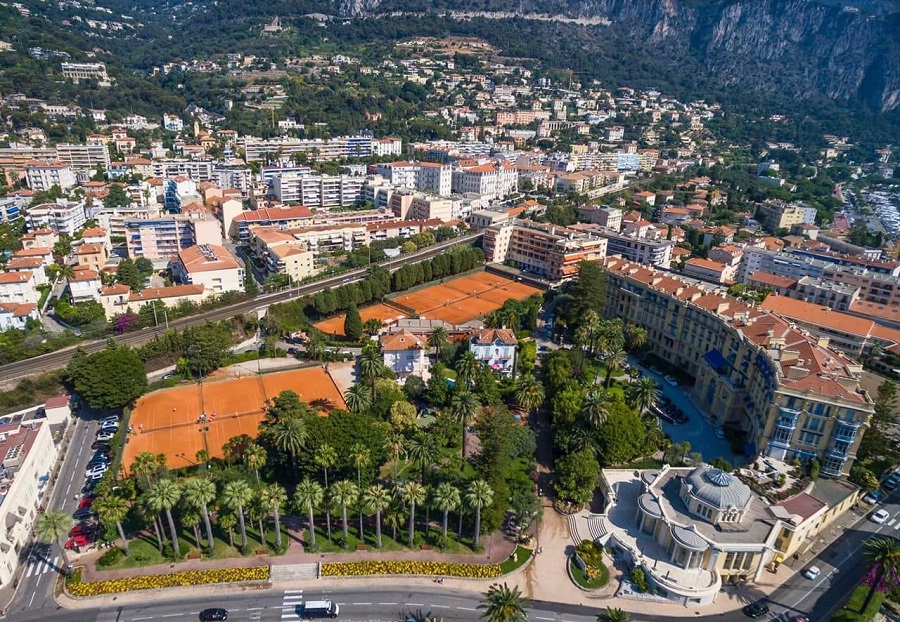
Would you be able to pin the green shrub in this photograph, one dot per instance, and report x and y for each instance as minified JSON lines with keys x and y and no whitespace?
{"x":639,"y":579}
{"x":111,"y":557}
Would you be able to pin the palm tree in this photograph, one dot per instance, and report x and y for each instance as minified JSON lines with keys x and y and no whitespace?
{"x":113,"y":509}
{"x":162,"y":497}
{"x":53,"y":526}
{"x":635,"y":337}
{"x":236,"y":495}
{"x":395,"y":445}
{"x":255,"y":458}
{"x":289,"y":436}
{"x":613,"y":362}
{"x":227,"y":521}
{"x":308,"y":496}
{"x":613,"y":615}
{"x":467,"y":368}
{"x":144,"y":465}
{"x":529,"y":393}
{"x":199,"y":493}
{"x":423,"y":450}
{"x":595,"y":407}
{"x":343,"y":493}
{"x":272,"y":498}
{"x":446,"y":498}
{"x":191,"y":518}
{"x":376,"y":498}
{"x":478,"y":496}
{"x":357,"y":398}
{"x":395,"y":515}
{"x":463,"y":407}
{"x":370,"y":367}
{"x":592,"y":325}
{"x":414,"y":494}
{"x":643,"y":392}
{"x":502,"y":603}
{"x":437,"y":338}
{"x":883,"y":554}
{"x":361,"y":458}
{"x":326,"y":457}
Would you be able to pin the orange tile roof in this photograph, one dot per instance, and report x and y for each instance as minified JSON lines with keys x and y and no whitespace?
{"x":9,"y":278}
{"x":775,"y":280}
{"x":173,"y":291}
{"x":400,"y":341}
{"x":18,"y":309}
{"x":195,"y":260}
{"x":803,"y":311}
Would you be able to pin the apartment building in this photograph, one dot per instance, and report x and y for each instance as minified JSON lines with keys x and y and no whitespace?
{"x":709,"y":270}
{"x":85,"y":71}
{"x":118,"y":299}
{"x":318,"y":191}
{"x":199,"y":169}
{"x":92,"y":256}
{"x":18,"y":287}
{"x":172,"y":123}
{"x":387,"y":147}
{"x":282,"y":253}
{"x":492,"y":181}
{"x":824,"y":292}
{"x":847,"y":333}
{"x":425,"y":176}
{"x":83,"y":157}
{"x":795,"y":267}
{"x":878,"y":266}
{"x":786,"y":390}
{"x":582,"y":182}
{"x":9,"y":210}
{"x":874,"y":287}
{"x":84,"y":285}
{"x":544,"y":249}
{"x":209,"y":265}
{"x":284,"y":217}
{"x":34,"y":265}
{"x":113,"y":219}
{"x":338,"y":148}
{"x":63,"y":216}
{"x":163,"y":237}
{"x":28,"y":457}
{"x":780,"y":215}
{"x":495,"y":348}
{"x":652,"y":252}
{"x":607,"y":217}
{"x":42,"y":176}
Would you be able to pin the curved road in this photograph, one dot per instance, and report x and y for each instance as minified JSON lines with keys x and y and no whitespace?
{"x":13,"y":372}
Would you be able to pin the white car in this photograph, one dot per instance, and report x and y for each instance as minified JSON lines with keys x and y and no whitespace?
{"x":880,"y":516}
{"x":94,"y":470}
{"x":670,"y":380}
{"x":812,"y":573}
{"x":110,"y":419}
{"x":105,"y":435}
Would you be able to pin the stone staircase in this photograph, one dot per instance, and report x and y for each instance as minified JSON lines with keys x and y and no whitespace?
{"x":597,"y":527}
{"x":294,"y":572}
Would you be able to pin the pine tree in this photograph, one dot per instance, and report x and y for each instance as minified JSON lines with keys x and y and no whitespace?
{"x":353,"y":326}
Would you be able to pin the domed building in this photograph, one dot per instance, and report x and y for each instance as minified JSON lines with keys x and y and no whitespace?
{"x":693,"y":529}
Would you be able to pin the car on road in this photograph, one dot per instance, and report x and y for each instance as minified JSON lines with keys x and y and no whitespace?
{"x":83,"y":514}
{"x":82,"y":529}
{"x":105,"y":434}
{"x":101,"y":445}
{"x":78,"y":542}
{"x":93,"y":478}
{"x":880,"y":516}
{"x":109,"y":425}
{"x":109,"y":419}
{"x":812,"y":573}
{"x":873,"y":497}
{"x":756,"y":610}
{"x":670,"y":380}
{"x":213,"y":615}
{"x":319,"y":609}
{"x":171,"y":374}
{"x":891,"y":482}
{"x":85,"y":503}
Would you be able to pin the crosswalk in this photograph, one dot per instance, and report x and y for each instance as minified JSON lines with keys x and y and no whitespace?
{"x":40,"y":565}
{"x":894,"y":523}
{"x":290,"y":604}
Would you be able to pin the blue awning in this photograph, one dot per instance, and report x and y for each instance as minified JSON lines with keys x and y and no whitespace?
{"x":716,"y":360}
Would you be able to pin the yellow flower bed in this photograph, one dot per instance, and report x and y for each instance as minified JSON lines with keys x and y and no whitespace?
{"x":355,"y":569}
{"x":175,"y":579}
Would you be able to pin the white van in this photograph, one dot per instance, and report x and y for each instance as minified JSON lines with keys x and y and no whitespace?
{"x":319,"y":609}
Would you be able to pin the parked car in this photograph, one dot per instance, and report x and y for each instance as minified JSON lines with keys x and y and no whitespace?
{"x":83,"y":514}
{"x":756,"y":610}
{"x":171,"y":374}
{"x":880,"y":516}
{"x":97,"y":468}
{"x":82,"y":529}
{"x":90,"y":485}
{"x":109,"y":419}
{"x":77,"y":542}
{"x":95,"y":477}
{"x":109,"y":425}
{"x":105,"y":434}
{"x":85,"y":503}
{"x":213,"y":615}
{"x":812,"y":573}
{"x":873,"y":497}
{"x":670,"y":380}
{"x":891,"y":482}
{"x":101,"y":445}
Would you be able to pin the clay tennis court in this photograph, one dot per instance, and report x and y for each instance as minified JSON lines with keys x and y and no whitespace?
{"x":380,"y":312}
{"x":464,"y":299}
{"x":168,"y":421}
{"x":457,"y":301}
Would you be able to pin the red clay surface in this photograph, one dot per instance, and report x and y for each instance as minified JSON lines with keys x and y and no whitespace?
{"x":457,"y":301}
{"x":168,"y":421}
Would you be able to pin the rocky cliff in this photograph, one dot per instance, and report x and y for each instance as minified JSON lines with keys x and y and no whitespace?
{"x":793,"y":47}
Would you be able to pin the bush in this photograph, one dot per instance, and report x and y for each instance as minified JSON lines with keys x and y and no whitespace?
{"x":111,"y":557}
{"x":447,"y":569}
{"x":639,"y":579}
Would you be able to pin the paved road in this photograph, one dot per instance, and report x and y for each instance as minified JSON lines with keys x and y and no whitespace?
{"x":39,"y":571}
{"x":12,"y":372}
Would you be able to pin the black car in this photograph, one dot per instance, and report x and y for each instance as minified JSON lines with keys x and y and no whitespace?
{"x":212,"y":615}
{"x":83,"y":513}
{"x":101,"y":446}
{"x":756,"y":610}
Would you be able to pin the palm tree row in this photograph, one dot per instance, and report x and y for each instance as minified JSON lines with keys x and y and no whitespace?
{"x":377,"y":499}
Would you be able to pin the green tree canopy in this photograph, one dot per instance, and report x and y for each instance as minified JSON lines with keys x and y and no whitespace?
{"x":109,"y":379}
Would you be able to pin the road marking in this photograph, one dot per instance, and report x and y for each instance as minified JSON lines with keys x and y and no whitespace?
{"x":891,"y":522}
{"x":68,"y":488}
{"x":33,"y":594}
{"x":362,"y":603}
{"x":387,"y":603}
{"x":144,"y":618}
{"x":467,"y":608}
{"x":248,"y":609}
{"x":439,"y":606}
{"x":540,"y":618}
{"x":293,"y":591}
{"x":415,"y":604}
{"x":172,"y":615}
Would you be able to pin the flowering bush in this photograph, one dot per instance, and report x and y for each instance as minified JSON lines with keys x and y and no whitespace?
{"x":175,"y":579}
{"x":467,"y":571}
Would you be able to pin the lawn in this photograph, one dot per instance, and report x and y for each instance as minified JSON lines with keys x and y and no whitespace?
{"x":516,"y":560}
{"x":851,"y":611}
{"x":324,"y":545}
{"x":582,"y":579}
